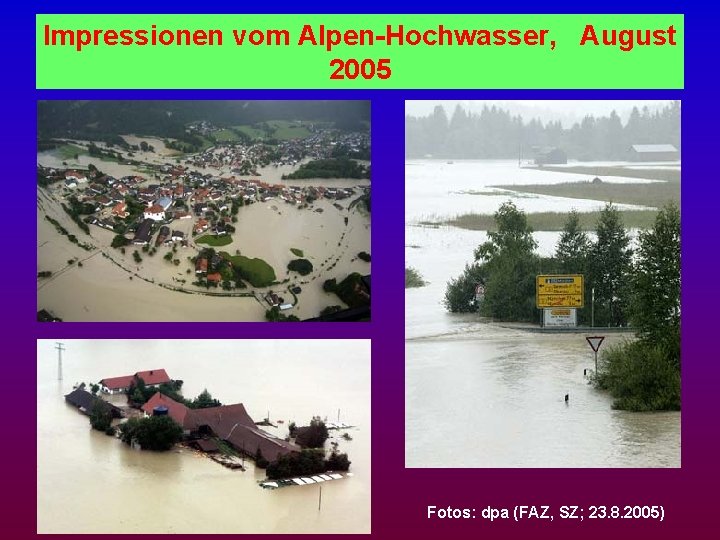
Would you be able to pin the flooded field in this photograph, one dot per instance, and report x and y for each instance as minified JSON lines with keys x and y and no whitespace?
{"x":482,"y":395}
{"x":441,"y":189}
{"x":88,"y":482}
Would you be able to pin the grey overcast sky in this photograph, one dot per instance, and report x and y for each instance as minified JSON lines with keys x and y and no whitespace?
{"x":567,"y":111}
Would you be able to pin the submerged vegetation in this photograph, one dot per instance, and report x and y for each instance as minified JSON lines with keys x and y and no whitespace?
{"x":413,"y":278}
{"x":547,"y":221}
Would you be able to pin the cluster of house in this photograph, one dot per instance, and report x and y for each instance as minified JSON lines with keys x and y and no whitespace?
{"x":182,"y":194}
{"x":210,"y":268}
{"x":231,"y":423}
{"x":245,"y":158}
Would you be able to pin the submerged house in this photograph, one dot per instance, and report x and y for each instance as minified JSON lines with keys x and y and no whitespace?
{"x":153,"y":377}
{"x":230,"y":423}
{"x":84,"y":401}
{"x":550,"y":156}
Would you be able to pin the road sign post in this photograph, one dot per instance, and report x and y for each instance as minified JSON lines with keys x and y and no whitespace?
{"x":595,"y":342}
{"x":559,"y":291}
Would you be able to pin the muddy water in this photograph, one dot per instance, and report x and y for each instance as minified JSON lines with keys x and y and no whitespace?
{"x":482,"y":395}
{"x":88,"y":482}
{"x":497,"y":397}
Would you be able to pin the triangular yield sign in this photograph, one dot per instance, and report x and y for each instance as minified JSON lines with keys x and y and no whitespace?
{"x":595,"y":342}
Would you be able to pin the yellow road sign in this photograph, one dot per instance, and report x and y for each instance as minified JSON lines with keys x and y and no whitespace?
{"x":559,"y":291}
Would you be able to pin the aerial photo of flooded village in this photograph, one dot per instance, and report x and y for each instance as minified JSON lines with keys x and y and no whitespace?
{"x":502,"y":198}
{"x":203,"y":211}
{"x":203,"y":436}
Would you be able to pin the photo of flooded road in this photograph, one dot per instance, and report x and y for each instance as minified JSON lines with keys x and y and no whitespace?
{"x":508,"y":392}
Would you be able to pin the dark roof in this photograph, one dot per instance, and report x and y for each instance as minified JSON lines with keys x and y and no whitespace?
{"x":231,"y":423}
{"x":85,"y":401}
{"x":207,"y":445}
{"x":143,"y":231}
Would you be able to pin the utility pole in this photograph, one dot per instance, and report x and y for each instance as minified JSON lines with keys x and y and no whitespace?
{"x":320,"y":497}
{"x":60,"y":348}
{"x":338,"y":416}
{"x":592,"y":308}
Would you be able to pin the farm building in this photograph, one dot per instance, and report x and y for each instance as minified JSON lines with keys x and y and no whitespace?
{"x":654,"y":152}
{"x":550,"y":156}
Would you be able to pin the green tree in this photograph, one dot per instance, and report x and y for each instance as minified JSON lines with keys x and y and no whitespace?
{"x":413,"y":278}
{"x":337,"y":462}
{"x":655,"y":306}
{"x":573,"y":246}
{"x":157,"y":433}
{"x":314,"y":435}
{"x":460,"y":291}
{"x":301,"y":266}
{"x":101,"y":416}
{"x":571,"y":256}
{"x":506,"y":264}
{"x":610,"y":268}
{"x":204,"y":401}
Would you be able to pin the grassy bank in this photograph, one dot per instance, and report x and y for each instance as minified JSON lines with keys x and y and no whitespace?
{"x":669,"y":175}
{"x":656,"y":194}
{"x":546,"y":221}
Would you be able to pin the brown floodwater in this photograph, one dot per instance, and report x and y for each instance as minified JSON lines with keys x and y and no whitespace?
{"x":498,"y":394}
{"x":88,"y":482}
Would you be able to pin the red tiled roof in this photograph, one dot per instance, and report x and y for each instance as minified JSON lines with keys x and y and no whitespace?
{"x":216,"y":277}
{"x":118,"y":383}
{"x":176,"y":411}
{"x":155,"y":209}
{"x":154,"y":376}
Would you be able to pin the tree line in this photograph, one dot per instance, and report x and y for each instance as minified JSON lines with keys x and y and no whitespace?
{"x":496,"y":134}
{"x":632,"y":286}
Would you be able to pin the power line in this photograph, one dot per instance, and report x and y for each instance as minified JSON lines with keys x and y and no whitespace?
{"x":60,"y":348}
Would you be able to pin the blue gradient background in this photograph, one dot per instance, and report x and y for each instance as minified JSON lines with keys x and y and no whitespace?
{"x":400,"y":496}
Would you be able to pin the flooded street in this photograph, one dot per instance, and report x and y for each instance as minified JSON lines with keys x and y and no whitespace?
{"x":480,"y":394}
{"x":88,"y":482}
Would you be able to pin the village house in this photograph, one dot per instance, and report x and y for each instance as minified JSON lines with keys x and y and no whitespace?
{"x":230,"y":423}
{"x":202,"y":225}
{"x":155,"y":212}
{"x":550,"y":156}
{"x":84,"y":401}
{"x":162,"y":235}
{"x":152,"y":378}
{"x":177,"y":236}
{"x":143,"y":233}
{"x":79,"y":177}
{"x":120,"y":210}
{"x":201,"y":266}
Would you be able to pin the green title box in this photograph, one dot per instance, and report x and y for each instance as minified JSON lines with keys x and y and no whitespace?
{"x":362,"y":51}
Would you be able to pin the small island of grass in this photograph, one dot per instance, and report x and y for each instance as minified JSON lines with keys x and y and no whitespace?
{"x":215,"y":241}
{"x":255,"y":271}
